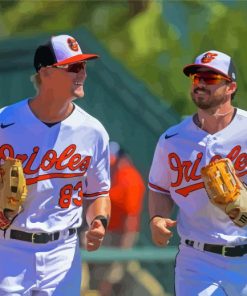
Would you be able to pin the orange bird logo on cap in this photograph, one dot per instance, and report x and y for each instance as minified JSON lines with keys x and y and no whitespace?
{"x":208,"y":57}
{"x":73,"y":44}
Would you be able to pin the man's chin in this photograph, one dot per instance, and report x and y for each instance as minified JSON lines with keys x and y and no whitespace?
{"x":78,"y":94}
{"x":200,"y":104}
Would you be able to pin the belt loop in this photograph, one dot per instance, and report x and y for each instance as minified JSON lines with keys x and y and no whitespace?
{"x":198,"y":246}
{"x":32,"y":238}
{"x":223,"y":253}
{"x":53,"y":236}
{"x":194,"y":244}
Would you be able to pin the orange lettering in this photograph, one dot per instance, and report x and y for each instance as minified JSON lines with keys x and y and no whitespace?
{"x":48,"y":160}
{"x":193,"y":175}
{"x":22,"y":157}
{"x":214,"y":158}
{"x":177,"y":167}
{"x":65,"y":155}
{"x":65,"y":196}
{"x":185,"y":191}
{"x":186,"y":166}
{"x":234,"y":153}
{"x":78,"y":188}
{"x":6,"y":151}
{"x":73,"y":162}
{"x":85,"y":163}
{"x":183,"y":168}
{"x":241,"y":162}
{"x":27,"y":168}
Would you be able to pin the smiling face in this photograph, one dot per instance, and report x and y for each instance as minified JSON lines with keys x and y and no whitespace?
{"x":210,"y":90}
{"x":67,"y":80}
{"x":78,"y":80}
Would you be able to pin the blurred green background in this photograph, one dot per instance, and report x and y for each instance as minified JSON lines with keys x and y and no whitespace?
{"x":153,"y":39}
{"x":137,"y":88}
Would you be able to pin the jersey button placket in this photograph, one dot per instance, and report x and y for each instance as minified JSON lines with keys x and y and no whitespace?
{"x":209,"y":151}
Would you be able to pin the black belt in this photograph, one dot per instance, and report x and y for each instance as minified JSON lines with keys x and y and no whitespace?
{"x":230,"y":251}
{"x":37,"y":238}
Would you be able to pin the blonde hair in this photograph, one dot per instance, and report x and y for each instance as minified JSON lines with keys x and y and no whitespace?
{"x":36,"y":81}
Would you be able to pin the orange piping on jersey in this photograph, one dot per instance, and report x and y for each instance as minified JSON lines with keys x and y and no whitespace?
{"x":95,"y":194}
{"x":34,"y":180}
{"x":158,"y":188}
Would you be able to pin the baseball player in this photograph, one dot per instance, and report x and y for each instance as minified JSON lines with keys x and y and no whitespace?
{"x":65,"y":158}
{"x":212,"y":257}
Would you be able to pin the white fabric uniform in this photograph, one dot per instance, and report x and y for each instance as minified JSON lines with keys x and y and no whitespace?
{"x":63,"y":165}
{"x":180,"y":154}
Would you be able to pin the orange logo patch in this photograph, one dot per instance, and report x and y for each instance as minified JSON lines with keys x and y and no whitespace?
{"x":208,"y":57}
{"x":73,"y":44}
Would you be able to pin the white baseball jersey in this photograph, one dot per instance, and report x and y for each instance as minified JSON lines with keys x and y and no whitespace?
{"x":180,"y":154}
{"x":63,"y":165}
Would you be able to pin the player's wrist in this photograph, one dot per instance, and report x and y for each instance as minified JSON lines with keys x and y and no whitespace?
{"x":104,"y":220}
{"x":155,"y":216}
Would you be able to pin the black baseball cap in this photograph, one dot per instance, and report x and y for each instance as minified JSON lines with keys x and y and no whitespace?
{"x":60,"y":50}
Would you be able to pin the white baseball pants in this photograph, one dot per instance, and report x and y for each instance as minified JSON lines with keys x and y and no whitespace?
{"x":52,"y":269}
{"x":207,"y":274}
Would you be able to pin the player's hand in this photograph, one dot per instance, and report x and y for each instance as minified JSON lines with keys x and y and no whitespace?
{"x":160,"y":230}
{"x":95,"y":235}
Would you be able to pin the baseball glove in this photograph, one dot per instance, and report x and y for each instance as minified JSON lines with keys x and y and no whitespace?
{"x":225,"y":190}
{"x":13,"y":191}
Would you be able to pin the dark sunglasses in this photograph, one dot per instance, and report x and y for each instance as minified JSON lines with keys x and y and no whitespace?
{"x":75,"y":68}
{"x":208,"y":78}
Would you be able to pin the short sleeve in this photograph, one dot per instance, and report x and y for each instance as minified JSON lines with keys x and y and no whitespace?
{"x":97,"y":182}
{"x":159,"y":179}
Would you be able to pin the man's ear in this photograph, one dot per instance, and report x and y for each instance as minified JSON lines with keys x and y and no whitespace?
{"x":232,"y":87}
{"x":44,"y":71}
